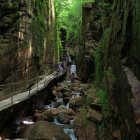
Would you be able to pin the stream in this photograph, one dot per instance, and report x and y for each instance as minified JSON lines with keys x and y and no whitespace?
{"x":67,"y":128}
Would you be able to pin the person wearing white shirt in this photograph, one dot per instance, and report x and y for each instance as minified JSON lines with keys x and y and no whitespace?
{"x":73,"y":69}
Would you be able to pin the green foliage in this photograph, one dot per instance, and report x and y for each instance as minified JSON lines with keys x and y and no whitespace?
{"x":90,"y":95}
{"x":106,"y":6}
{"x":104,"y":101}
{"x":69,"y":15}
{"x":105,"y":39}
{"x":84,"y":117}
{"x":103,"y":129}
{"x":99,"y":56}
{"x":110,"y":74}
{"x":59,"y":46}
{"x":98,"y":72}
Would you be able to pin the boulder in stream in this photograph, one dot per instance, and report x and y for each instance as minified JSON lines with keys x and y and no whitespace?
{"x":50,"y":113}
{"x":43,"y":130}
{"x":46,"y":116}
{"x":84,"y":131}
{"x":76,"y":102}
{"x":64,"y":118}
{"x":96,"y":106}
{"x":94,"y":116}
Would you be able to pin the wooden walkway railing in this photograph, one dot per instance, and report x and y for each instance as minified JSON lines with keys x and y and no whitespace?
{"x":17,"y":96}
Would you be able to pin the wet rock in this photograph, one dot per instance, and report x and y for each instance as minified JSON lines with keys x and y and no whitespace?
{"x":56,"y":104}
{"x":61,"y":107}
{"x":137,"y":116}
{"x":55,"y":111}
{"x":59,"y":88}
{"x":117,"y":135}
{"x":76,"y":102}
{"x":94,"y":116}
{"x":67,"y":94}
{"x":76,"y":83}
{"x":59,"y":101}
{"x":69,"y":112}
{"x":46,"y":116}
{"x":96,"y":106}
{"x":58,"y":94}
{"x":76,"y":89}
{"x":84,"y":86}
{"x":84,"y":132}
{"x":37,"y":114}
{"x":65,"y":89}
{"x":66,"y":97}
{"x":44,"y":130}
{"x":66,"y":100}
{"x":64,"y":118}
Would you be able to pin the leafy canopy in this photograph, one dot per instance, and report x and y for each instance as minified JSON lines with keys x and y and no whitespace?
{"x":69,"y":16}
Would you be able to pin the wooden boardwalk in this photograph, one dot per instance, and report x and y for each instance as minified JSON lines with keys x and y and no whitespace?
{"x":28,"y":93}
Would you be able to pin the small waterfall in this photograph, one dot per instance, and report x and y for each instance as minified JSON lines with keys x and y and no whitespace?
{"x":75,"y":94}
{"x":70,"y":132}
{"x":56,"y":121}
{"x":27,"y":121}
{"x":51,"y":105}
{"x":72,"y":122}
{"x":67,"y":105}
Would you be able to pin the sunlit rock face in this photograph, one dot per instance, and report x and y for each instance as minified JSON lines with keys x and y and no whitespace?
{"x":19,"y":57}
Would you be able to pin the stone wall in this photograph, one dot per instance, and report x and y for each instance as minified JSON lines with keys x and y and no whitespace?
{"x":116,"y":51}
{"x":17,"y":40}
{"x":111,"y":34}
{"x":133,"y":31}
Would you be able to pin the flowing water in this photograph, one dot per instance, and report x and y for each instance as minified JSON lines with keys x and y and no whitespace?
{"x":67,"y":128}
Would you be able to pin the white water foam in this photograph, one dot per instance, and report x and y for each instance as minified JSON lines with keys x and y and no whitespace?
{"x":70,"y":132}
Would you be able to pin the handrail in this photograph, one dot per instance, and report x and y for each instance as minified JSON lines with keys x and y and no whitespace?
{"x":26,"y":80}
{"x":11,"y":89}
{"x":23,"y":95}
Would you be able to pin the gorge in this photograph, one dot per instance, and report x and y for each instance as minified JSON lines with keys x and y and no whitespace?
{"x":102,"y":37}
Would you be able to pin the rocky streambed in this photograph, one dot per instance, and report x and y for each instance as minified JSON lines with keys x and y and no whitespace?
{"x":65,"y":116}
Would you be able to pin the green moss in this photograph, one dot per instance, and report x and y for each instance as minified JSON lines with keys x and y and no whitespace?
{"x":100,"y":58}
{"x":9,"y":4}
{"x":38,"y":28}
{"x":59,"y":46}
{"x":84,"y":117}
{"x":104,"y":101}
{"x":106,"y":5}
{"x":97,"y":57}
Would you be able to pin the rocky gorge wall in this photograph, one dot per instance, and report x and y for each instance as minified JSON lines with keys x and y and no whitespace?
{"x":26,"y":38}
{"x":111,"y":41}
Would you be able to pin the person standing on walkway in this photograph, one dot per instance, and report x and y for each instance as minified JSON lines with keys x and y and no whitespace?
{"x":73,"y":69}
{"x":60,"y":69}
{"x":68,"y":62}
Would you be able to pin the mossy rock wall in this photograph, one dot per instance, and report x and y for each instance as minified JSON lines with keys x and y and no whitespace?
{"x":116,"y":49}
{"x":134,"y":34}
{"x":26,"y":37}
{"x":112,"y":26}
